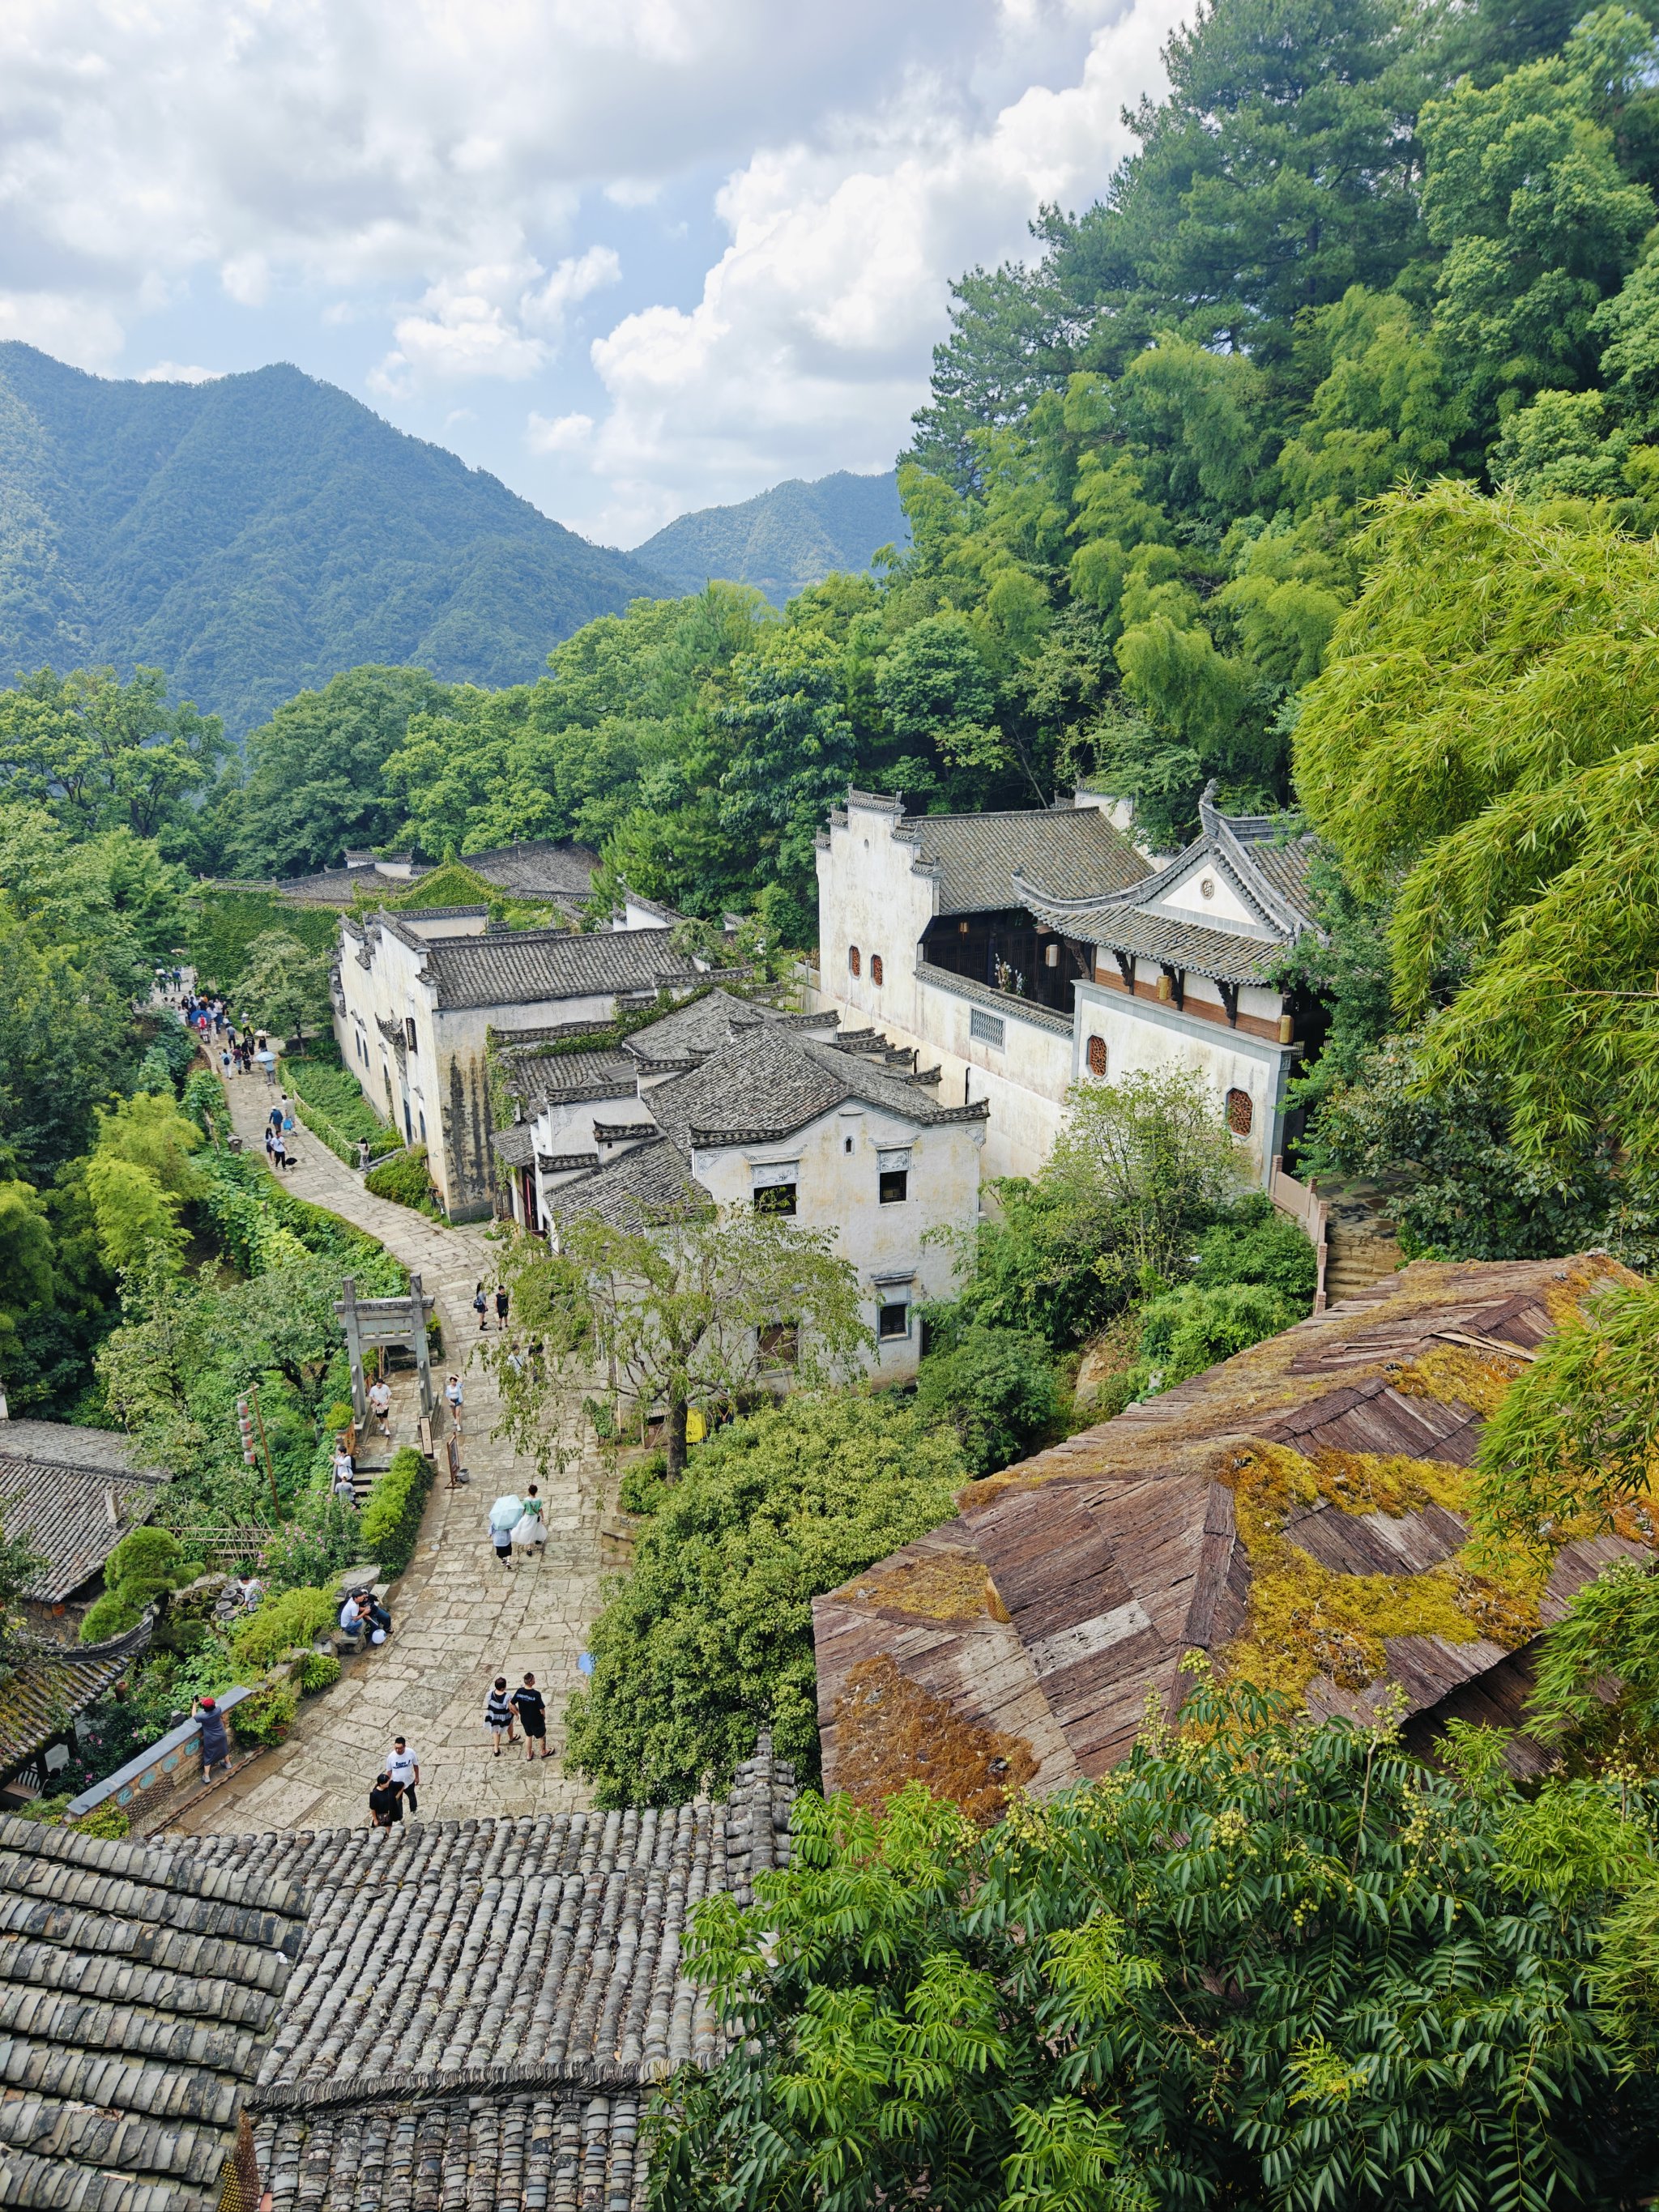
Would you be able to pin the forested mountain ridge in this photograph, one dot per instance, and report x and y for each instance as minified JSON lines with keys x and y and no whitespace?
{"x":264,"y":531}
{"x":784,"y":539}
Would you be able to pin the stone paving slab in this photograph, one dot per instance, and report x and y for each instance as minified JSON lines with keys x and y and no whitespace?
{"x":459,"y":1618}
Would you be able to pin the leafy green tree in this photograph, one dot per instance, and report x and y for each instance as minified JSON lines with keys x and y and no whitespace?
{"x":710,"y":1637}
{"x":139,"y":1178}
{"x":27,"y":1253}
{"x":1260,"y":1963}
{"x":997,"y":1389}
{"x":1478,"y":748}
{"x":284,"y":988}
{"x":680,"y":1311}
{"x":1525,"y":192}
{"x":105,"y":754}
{"x":314,"y":782}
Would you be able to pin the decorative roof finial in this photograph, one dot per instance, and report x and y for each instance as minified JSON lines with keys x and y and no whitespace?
{"x":1209,"y":816}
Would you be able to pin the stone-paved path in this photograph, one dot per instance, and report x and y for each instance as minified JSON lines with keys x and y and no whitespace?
{"x":459,"y":1618}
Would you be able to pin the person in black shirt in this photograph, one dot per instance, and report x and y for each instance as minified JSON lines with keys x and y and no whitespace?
{"x":531,"y":1708}
{"x":386,"y":1803}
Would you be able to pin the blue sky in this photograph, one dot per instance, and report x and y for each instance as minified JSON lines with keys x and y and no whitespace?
{"x":633,"y":256}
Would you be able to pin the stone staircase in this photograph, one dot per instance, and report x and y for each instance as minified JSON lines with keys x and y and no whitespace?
{"x":1360,"y":1240}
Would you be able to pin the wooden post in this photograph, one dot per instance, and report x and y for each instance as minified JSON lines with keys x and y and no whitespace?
{"x":270,"y":1472}
{"x":422,"y":1364}
{"x":355,"y":1350}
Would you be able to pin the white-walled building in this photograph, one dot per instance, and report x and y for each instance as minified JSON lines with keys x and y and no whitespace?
{"x":735,"y":1102}
{"x":417,"y":996}
{"x":1020,"y":953}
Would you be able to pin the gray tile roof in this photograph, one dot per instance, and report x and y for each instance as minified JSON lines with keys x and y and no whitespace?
{"x":67,"y":1444}
{"x":540,"y":867}
{"x":50,"y":1686}
{"x":530,"y":966}
{"x":538,"y":1079}
{"x":65,"y":1512}
{"x":703,"y":1023}
{"x":976,"y":857}
{"x":768,"y":1085}
{"x":654,"y":1182}
{"x":514,"y":1146}
{"x":137,"y":1988}
{"x":480,"y":2006}
{"x":1262,"y":858}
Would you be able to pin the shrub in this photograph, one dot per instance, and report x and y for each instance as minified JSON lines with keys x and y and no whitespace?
{"x":391,"y":1524}
{"x":1258,"y":1244}
{"x":642,"y":1489}
{"x":267,"y":1715}
{"x":997,"y":1388}
{"x":296,"y":1617}
{"x":107,"y":1820}
{"x":403,"y":1179}
{"x":1191,"y":1328}
{"x":144,"y":1566}
{"x":317,"y":1670}
{"x":710,"y":1638}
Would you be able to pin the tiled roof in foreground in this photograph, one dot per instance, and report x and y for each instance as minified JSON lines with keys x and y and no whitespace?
{"x":480,"y":2006}
{"x":137,"y":1988}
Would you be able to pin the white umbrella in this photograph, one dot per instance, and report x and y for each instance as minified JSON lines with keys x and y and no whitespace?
{"x":507,"y":1512}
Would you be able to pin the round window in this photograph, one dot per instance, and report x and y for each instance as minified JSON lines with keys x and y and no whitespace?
{"x":1206,"y":886}
{"x":1097,"y":1055}
{"x":1240,"y":1113}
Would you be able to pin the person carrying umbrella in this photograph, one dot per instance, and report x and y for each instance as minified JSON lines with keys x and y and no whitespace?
{"x":505,"y":1515}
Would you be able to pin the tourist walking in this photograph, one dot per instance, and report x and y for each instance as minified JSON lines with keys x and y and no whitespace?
{"x":456,"y":1399}
{"x":530,"y":1534}
{"x":500,"y":1304}
{"x":481,"y":1306}
{"x":386,"y":1803}
{"x":379,"y":1404}
{"x":498,"y":1713}
{"x":216,"y":1739}
{"x":531,"y":1708}
{"x":404,"y":1769}
{"x":504,"y":1517}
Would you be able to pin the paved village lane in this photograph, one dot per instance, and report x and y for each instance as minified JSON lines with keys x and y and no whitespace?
{"x":460,"y":1619}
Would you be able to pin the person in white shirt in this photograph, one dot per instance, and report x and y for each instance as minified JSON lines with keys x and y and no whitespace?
{"x":379,"y":1404}
{"x":351,"y":1616}
{"x":404,"y":1769}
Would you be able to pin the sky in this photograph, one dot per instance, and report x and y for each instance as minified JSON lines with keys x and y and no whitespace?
{"x":635,"y":257}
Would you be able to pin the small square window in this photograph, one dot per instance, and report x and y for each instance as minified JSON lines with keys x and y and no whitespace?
{"x":409,"y":1031}
{"x":894,"y":1186}
{"x":846,"y":1144}
{"x":893,"y":1321}
{"x":775,"y":1198}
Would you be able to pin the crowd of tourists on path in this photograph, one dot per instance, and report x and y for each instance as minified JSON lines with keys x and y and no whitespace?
{"x":508,"y":1714}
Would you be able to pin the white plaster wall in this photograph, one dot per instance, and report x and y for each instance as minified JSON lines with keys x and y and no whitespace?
{"x":840,"y":1191}
{"x":1139,"y":1040}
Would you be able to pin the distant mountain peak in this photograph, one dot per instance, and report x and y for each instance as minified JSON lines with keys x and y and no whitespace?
{"x":262,"y":531}
{"x":783,"y":539}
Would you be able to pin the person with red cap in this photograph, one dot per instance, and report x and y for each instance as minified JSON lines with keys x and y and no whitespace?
{"x":216,"y":1740}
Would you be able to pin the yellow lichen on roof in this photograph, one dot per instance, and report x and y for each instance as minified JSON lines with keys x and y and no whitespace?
{"x":1307,"y":1619}
{"x":1245,"y":1392}
{"x":940,"y":1586}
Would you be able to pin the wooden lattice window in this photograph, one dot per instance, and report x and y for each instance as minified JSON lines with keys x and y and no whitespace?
{"x":853,"y":961}
{"x":875,"y":967}
{"x":1240,"y":1113}
{"x":1097,"y":1055}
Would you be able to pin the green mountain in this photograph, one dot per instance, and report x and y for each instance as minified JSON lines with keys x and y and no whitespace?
{"x":782,"y":539}
{"x":260,"y":533}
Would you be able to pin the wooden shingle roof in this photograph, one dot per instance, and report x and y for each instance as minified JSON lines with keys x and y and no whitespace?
{"x":136,"y":1989}
{"x":1072,"y":1586}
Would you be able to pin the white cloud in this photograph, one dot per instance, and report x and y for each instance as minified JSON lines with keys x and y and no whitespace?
{"x":566,"y":433}
{"x":811,"y":345}
{"x":432,"y":175}
{"x":176,"y":372}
